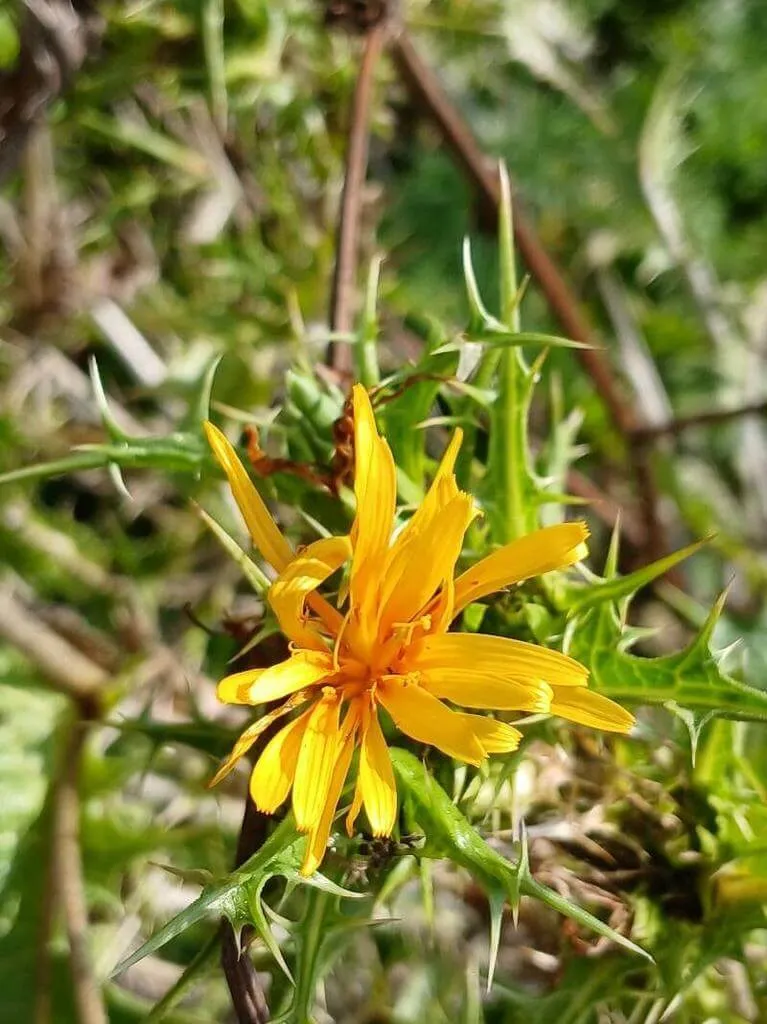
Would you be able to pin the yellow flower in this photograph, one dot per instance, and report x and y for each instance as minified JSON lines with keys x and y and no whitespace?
{"x":388,"y":645}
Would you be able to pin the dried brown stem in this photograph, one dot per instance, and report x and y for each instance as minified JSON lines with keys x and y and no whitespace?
{"x":343,"y":288}
{"x":245,"y":989}
{"x":429,"y":95}
{"x":65,"y":668}
{"x":247,"y":995}
{"x":650,"y":432}
{"x":67,"y":870}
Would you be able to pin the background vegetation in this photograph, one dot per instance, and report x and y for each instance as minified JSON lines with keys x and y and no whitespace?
{"x":176,"y":201}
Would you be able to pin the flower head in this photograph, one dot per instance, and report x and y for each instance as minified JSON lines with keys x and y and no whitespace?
{"x":387,"y":644}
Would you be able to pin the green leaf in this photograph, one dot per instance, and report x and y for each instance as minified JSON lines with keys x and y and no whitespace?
{"x":619,"y":587}
{"x":506,"y":339}
{"x":280,"y":855}
{"x":691,"y":679}
{"x":180,"y":452}
{"x":197,"y":967}
{"x":449,"y":834}
{"x":312,"y":410}
{"x":498,"y":338}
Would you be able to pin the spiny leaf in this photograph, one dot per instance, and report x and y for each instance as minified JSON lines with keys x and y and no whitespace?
{"x":498,"y":338}
{"x":179,"y":452}
{"x":449,"y":834}
{"x":691,"y":679}
{"x":198,"y":965}
{"x":280,"y":855}
{"x":625,"y":586}
{"x":264,"y":928}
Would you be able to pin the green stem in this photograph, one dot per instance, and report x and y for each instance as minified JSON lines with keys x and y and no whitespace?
{"x":366,"y":350}
{"x":510,"y":446}
{"x":309,"y":952}
{"x":509,"y":422}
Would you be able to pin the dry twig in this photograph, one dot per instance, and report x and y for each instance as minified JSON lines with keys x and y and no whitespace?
{"x":342,"y":293}
{"x":672,"y":428}
{"x":65,"y":668}
{"x":248,"y":997}
{"x":67,"y":873}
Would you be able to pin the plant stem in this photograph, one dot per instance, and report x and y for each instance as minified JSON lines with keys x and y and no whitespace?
{"x":509,"y":440}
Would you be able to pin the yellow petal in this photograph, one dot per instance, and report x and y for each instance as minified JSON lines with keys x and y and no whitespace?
{"x":477,"y":690}
{"x":440,"y":610}
{"x":500,"y":656}
{"x":376,"y":776}
{"x":355,"y":808}
{"x":424,"y":718}
{"x":418,"y":569}
{"x":375,"y":487}
{"x":259,"y":685}
{"x":589,"y":708}
{"x":235,"y":689}
{"x":275,"y":769}
{"x":316,"y":761}
{"x":496,"y":737}
{"x":443,"y":489}
{"x":318,"y":837}
{"x":262,"y":528}
{"x":289,"y":592}
{"x":554,"y":547}
{"x":251,"y":734}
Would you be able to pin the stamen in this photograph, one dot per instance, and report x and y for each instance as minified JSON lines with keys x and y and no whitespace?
{"x":339,"y":637}
{"x":405,"y":630}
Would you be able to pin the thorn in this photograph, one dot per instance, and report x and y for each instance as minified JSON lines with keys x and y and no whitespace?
{"x":480,"y":317}
{"x":202,"y":406}
{"x":611,"y":562}
{"x":496,"y":901}
{"x":115,"y":474}
{"x":111,"y":425}
{"x":704,"y":636}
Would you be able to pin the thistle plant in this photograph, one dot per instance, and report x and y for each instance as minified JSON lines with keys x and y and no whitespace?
{"x":403,"y":589}
{"x":390,"y":622}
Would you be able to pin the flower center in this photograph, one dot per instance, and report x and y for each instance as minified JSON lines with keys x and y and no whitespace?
{"x":360,"y":665}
